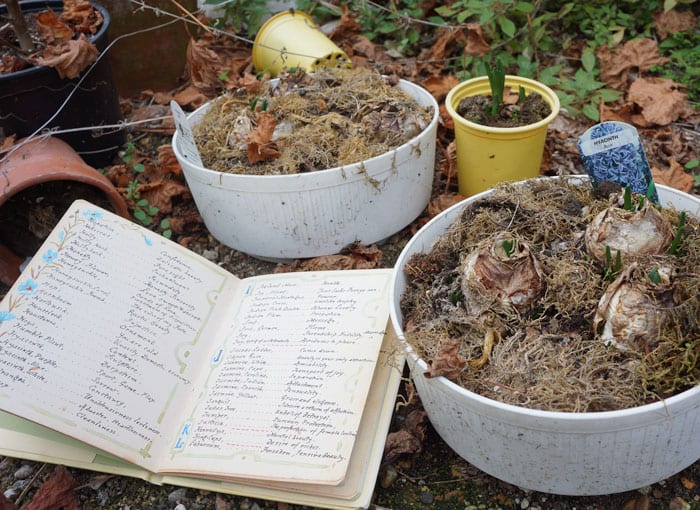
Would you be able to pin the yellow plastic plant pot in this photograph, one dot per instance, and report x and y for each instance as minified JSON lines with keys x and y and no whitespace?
{"x":489,"y":155}
{"x":292,"y":39}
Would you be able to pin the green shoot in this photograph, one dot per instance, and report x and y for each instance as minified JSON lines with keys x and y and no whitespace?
{"x":508,"y":246}
{"x":628,"y":199}
{"x":455,"y":297}
{"x":674,"y":249}
{"x":651,"y":190}
{"x":654,"y":275}
{"x":521,"y":94}
{"x":611,"y":268}
{"x":497,"y":81}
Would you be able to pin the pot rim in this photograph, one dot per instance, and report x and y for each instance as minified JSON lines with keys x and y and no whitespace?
{"x":664,"y":407}
{"x":326,"y":172}
{"x":547,"y":93}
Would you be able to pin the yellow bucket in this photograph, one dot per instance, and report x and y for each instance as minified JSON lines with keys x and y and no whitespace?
{"x":292,"y":39}
{"x":487,"y":155}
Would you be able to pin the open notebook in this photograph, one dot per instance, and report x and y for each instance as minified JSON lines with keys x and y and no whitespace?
{"x":125,"y":353}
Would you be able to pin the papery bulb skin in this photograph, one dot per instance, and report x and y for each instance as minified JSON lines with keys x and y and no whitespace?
{"x":503,"y":270}
{"x":639,"y":232}
{"x":633,"y":310}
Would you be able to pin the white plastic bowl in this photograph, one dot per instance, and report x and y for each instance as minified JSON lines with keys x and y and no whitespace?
{"x":282,"y":217}
{"x":555,"y":452}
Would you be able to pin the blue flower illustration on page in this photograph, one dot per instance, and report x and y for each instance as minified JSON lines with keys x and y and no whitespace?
{"x":6,"y":316}
{"x":50,"y":256}
{"x":28,"y":287}
{"x":92,"y":214}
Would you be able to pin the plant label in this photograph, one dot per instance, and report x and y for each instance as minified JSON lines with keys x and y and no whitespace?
{"x":187,"y":143}
{"x":612,"y":151}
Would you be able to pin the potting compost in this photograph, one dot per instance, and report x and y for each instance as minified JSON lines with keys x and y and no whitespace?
{"x":533,"y":298}
{"x":307,"y":122}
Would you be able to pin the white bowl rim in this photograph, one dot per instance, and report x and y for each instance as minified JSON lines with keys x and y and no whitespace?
{"x":664,"y":406}
{"x":338,"y":169}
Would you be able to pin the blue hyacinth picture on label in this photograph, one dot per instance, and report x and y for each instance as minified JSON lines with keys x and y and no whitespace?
{"x":612,"y":151}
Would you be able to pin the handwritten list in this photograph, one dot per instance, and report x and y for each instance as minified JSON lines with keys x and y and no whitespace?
{"x":131,"y":343}
{"x":293,"y":375}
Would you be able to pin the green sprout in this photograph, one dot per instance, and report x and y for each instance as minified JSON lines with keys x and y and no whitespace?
{"x":508,"y":246}
{"x":612,"y":268}
{"x":497,"y":81}
{"x":674,"y":249}
{"x":654,"y":275}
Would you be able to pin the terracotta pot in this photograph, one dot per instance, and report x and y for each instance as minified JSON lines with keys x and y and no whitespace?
{"x":40,"y":161}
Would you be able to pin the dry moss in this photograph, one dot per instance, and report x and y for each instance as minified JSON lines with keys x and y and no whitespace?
{"x":549,"y":358}
{"x":334,"y":117}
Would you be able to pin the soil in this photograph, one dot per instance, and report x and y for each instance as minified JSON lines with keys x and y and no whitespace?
{"x":30,"y":215}
{"x":512,"y":114}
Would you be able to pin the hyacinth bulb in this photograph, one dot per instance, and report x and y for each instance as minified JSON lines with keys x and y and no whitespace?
{"x":637,"y":232}
{"x":503,"y":270}
{"x":633,"y":310}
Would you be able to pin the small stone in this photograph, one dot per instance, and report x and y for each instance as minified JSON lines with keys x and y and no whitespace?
{"x":254,"y":506}
{"x":212,"y":255}
{"x":678,"y":504}
{"x":389,"y":476}
{"x":24,"y":472}
{"x":11,"y":494}
{"x":177,"y":496}
{"x":245,"y":505}
{"x":525,"y":503}
{"x":180,"y":506}
{"x":427,"y":498}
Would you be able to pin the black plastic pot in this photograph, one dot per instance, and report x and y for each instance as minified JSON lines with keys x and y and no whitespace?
{"x":28,"y":98}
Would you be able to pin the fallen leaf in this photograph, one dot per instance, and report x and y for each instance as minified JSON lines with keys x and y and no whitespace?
{"x":167,"y":160}
{"x":448,"y":362}
{"x":56,"y":492}
{"x":119,"y":175}
{"x":190,"y":97}
{"x":675,"y":176}
{"x":616,"y":65}
{"x":51,"y":30}
{"x":688,"y":483}
{"x":354,"y":256}
{"x":82,"y":16}
{"x":408,"y":439}
{"x":160,"y":194}
{"x":70,"y":58}
{"x":673,"y":21}
{"x":260,"y":147}
{"x":442,"y":202}
{"x":476,"y":41}
{"x":347,"y":26}
{"x":659,"y":99}
{"x":440,"y":86}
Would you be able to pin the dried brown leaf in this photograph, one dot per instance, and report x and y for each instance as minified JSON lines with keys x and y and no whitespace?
{"x":161,"y":193}
{"x":119,"y":175}
{"x":440,"y":86}
{"x":260,"y":147}
{"x":355,"y":256}
{"x":347,"y":26}
{"x":671,"y":22}
{"x":638,"y":54}
{"x":70,"y":58}
{"x":190,"y":97}
{"x":675,"y":176}
{"x":167,"y":160}
{"x":660,"y":100}
{"x":476,"y":41}
{"x":442,"y":202}
{"x":52,"y":30}
{"x":81,"y":15}
{"x":448,"y":362}
{"x":56,"y":492}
